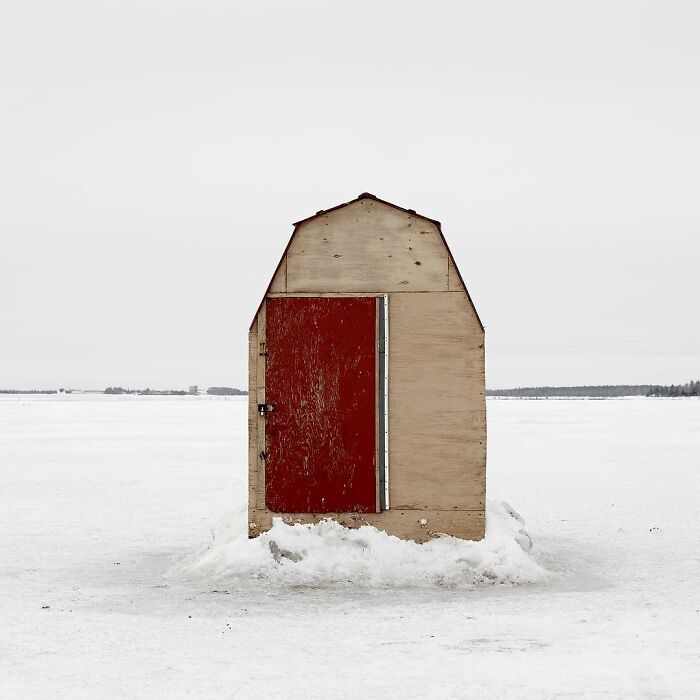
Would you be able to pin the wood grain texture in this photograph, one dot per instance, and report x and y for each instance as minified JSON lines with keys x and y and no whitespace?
{"x":367,"y":247}
{"x":453,"y":281}
{"x":279,"y":280}
{"x":406,"y":524}
{"x":252,"y":418}
{"x":437,"y":403}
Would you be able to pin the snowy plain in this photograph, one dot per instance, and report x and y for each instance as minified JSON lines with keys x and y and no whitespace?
{"x":105,"y":502}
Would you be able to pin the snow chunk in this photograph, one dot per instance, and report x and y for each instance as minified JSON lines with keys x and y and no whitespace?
{"x":328,"y":554}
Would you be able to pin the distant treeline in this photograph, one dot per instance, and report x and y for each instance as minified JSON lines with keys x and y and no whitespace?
{"x":30,"y":391}
{"x":689,"y":389}
{"x":145,"y":392}
{"x":225,"y":391}
{"x":601,"y":391}
{"x":214,"y":391}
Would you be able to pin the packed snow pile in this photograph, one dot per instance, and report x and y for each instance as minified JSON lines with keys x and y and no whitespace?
{"x":328,"y":554}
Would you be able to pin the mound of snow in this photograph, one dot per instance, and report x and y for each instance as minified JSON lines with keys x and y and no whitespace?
{"x":328,"y":554}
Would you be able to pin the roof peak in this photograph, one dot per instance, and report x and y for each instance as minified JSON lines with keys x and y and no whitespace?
{"x":366,"y":195}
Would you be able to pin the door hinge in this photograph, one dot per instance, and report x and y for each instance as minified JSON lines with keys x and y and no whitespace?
{"x":264,"y":408}
{"x":263,"y":456}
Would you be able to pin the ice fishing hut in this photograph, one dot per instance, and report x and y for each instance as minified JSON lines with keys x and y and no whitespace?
{"x":366,"y":374}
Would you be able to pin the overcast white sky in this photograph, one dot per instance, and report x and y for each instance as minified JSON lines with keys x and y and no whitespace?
{"x":154,"y":154}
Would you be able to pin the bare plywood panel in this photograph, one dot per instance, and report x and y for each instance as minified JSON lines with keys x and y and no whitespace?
{"x":417,"y":525}
{"x":437,"y":403}
{"x":367,"y":246}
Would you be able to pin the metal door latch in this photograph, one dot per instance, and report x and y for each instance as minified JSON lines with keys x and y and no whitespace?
{"x":264,"y":408}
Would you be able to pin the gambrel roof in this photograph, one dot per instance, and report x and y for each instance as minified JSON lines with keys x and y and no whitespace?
{"x":367,"y":195}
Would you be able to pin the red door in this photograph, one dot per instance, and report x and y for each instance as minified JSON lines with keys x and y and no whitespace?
{"x":321,"y":380}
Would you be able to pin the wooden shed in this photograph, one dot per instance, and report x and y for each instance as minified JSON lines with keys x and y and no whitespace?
{"x":367,"y":394}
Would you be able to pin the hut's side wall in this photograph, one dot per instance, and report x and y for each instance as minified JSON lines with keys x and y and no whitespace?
{"x":437,"y":411}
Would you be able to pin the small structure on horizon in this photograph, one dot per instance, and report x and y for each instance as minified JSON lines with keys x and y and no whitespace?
{"x":366,"y":380}
{"x":193,"y":390}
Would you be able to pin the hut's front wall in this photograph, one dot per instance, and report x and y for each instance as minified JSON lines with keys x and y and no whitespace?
{"x":437,"y":414}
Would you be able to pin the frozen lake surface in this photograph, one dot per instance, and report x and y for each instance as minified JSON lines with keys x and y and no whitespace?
{"x":99,"y":496}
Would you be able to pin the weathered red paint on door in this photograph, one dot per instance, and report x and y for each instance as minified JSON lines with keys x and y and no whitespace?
{"x":321,"y":380}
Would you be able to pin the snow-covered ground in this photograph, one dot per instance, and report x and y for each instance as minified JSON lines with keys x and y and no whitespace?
{"x":100,"y":496}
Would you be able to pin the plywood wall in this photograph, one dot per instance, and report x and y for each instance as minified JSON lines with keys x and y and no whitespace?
{"x":436,"y":399}
{"x":437,"y":410}
{"x":367,"y":247}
